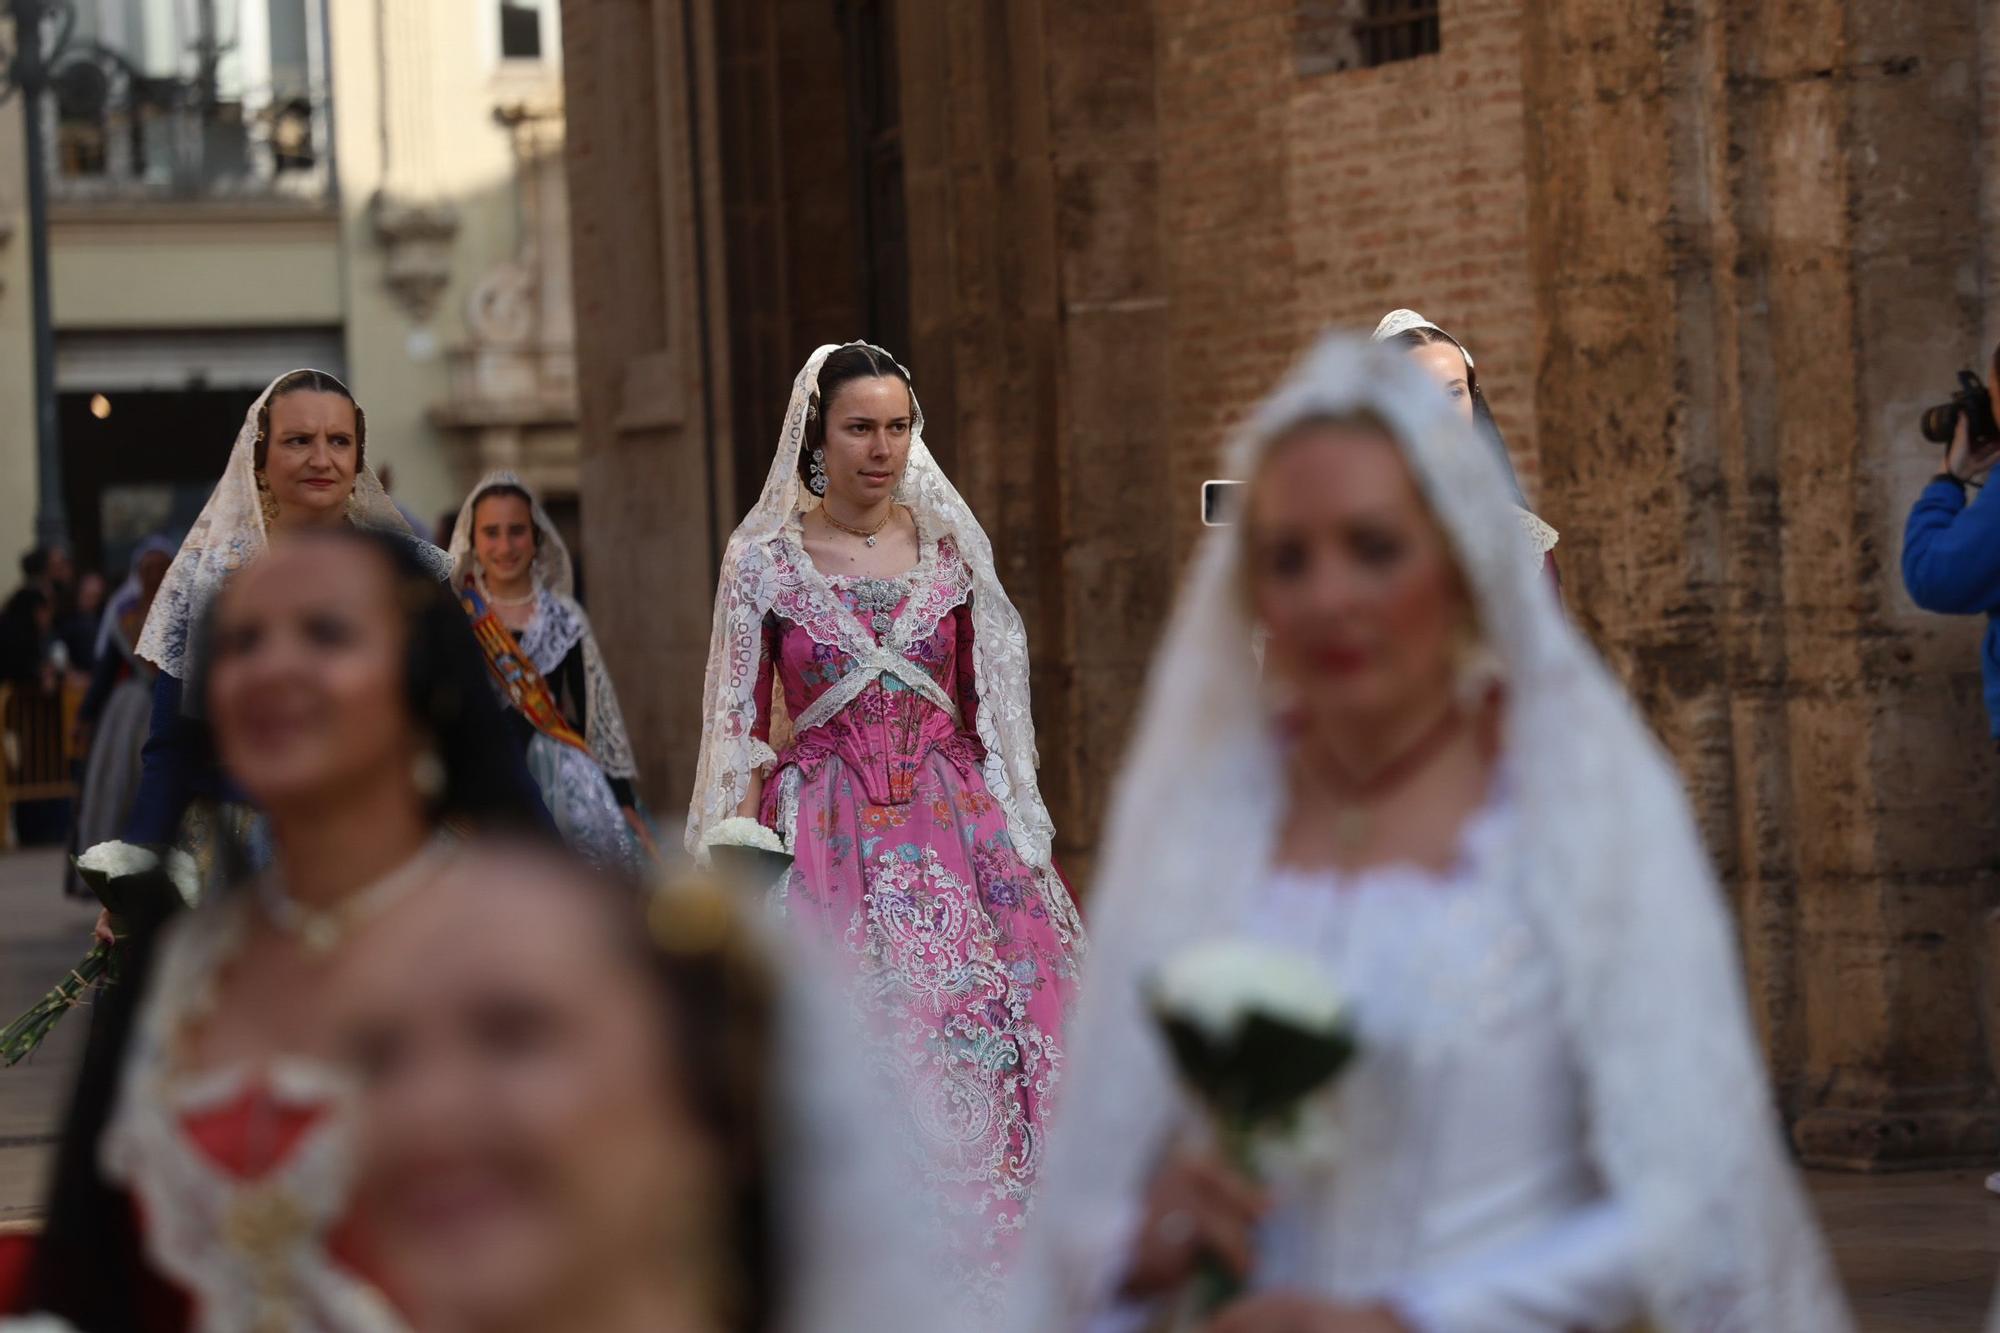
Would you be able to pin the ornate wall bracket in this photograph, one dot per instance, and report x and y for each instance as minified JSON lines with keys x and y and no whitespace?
{"x":418,"y":240}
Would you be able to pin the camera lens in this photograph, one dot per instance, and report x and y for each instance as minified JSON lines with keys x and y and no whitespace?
{"x":1940,"y":422}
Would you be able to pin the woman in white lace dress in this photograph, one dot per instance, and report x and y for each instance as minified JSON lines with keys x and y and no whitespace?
{"x":1558,"y":1118}
{"x":513,"y":574}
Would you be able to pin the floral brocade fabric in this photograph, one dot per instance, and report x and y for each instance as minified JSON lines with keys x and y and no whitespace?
{"x":905,"y":865}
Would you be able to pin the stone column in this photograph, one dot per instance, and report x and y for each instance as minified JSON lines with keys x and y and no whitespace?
{"x":651,"y":361}
{"x":1754,"y":241}
{"x":1037,"y":297}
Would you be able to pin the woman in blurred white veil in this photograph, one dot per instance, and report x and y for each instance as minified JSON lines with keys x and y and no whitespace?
{"x":1558,"y":1117}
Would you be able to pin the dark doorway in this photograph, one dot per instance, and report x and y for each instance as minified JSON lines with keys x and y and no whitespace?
{"x":875,"y":167}
{"x":812,"y":172}
{"x":140,"y":462}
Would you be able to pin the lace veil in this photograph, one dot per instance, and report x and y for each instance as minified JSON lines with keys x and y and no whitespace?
{"x":750,"y":583}
{"x":1619,"y":885}
{"x":226,"y":535}
{"x":554,"y":570}
{"x":1402,"y":321}
{"x":560,"y":622}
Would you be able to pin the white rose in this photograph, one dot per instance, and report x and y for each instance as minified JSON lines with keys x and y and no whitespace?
{"x":744,"y":832}
{"x":1218,"y":984}
{"x":116,"y":860}
{"x":186,"y":877}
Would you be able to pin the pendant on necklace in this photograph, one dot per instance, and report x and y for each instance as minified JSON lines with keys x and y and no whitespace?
{"x":869,"y":540}
{"x":320,"y":935}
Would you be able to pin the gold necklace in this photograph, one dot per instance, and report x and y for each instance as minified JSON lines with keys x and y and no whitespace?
{"x":1353,"y":824}
{"x":867,"y":535}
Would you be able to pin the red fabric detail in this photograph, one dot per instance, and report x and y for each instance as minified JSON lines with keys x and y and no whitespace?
{"x":251,"y":1133}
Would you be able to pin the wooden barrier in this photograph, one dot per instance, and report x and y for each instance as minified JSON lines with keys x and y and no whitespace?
{"x":38,"y":755}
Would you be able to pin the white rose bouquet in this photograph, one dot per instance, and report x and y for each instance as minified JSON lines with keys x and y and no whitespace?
{"x":1256,"y":1033}
{"x":135,"y":884}
{"x":748,"y":853}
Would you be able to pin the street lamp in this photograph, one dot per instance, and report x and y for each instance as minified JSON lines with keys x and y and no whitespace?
{"x":42,"y":29}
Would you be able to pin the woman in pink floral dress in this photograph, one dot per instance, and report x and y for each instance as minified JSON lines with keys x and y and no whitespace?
{"x":867,"y":699}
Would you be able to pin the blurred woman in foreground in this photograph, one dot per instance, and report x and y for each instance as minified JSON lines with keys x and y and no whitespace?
{"x":583,"y":1110}
{"x":1436,"y":797}
{"x":201,"y":1181}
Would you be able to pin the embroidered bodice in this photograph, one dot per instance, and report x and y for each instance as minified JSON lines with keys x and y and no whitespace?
{"x":878,"y":671}
{"x":240,"y":1174}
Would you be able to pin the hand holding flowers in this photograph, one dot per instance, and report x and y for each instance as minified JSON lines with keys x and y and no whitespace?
{"x":138,"y":887}
{"x":749,"y":854}
{"x":1256,"y":1033}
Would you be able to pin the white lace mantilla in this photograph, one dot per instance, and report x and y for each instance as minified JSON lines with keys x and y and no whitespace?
{"x":229,"y":532}
{"x":1541,"y":537}
{"x":1615,"y":884}
{"x":251,"y":1251}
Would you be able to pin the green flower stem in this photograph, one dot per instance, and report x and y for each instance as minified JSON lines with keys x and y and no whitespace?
{"x":24,"y":1034}
{"x":1215,"y":1285}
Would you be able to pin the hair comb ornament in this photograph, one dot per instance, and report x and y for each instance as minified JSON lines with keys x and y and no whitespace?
{"x":689,"y":917}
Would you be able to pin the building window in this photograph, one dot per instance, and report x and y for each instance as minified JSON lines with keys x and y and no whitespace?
{"x":1398,"y":30}
{"x":1330,"y":35}
{"x":520,"y":30}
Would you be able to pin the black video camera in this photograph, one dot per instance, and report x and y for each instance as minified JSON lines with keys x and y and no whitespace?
{"x":1972,"y":401}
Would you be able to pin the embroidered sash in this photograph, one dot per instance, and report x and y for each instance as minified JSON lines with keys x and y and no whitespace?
{"x":515,"y":673}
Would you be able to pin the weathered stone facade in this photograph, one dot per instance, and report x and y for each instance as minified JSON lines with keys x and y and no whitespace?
{"x":1712,"y":259}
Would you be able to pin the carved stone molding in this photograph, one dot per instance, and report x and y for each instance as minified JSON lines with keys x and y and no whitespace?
{"x":417,"y":237}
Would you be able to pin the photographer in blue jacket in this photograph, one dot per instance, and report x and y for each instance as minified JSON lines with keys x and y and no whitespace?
{"x":1951,"y":544}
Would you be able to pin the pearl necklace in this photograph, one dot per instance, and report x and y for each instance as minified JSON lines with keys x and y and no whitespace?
{"x":867,"y":535}
{"x":498,"y":600}
{"x":322,"y":929}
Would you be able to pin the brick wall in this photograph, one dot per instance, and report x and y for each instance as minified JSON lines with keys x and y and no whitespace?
{"x":1296,"y":200}
{"x":1406,"y":189}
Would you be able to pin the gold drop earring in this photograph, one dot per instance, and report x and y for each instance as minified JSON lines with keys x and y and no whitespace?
{"x":267,"y":503}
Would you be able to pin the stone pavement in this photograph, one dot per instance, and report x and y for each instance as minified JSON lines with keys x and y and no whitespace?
{"x":1918,"y":1251}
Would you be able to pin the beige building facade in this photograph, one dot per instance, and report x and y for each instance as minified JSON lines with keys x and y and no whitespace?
{"x":239,"y":187}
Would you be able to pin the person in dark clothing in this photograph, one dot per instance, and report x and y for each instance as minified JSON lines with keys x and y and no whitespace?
{"x":25,"y":625}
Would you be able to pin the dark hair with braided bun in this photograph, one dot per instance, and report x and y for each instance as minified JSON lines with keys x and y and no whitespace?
{"x":718,"y":997}
{"x":855,"y":361}
{"x":310,"y":381}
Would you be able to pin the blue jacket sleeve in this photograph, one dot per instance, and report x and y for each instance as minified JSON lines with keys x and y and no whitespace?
{"x":1951,"y":552}
{"x":176,"y":766}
